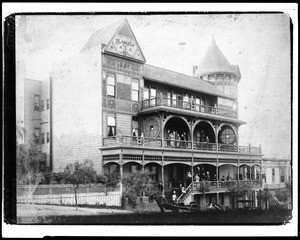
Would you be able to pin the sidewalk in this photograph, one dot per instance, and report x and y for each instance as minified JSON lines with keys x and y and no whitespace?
{"x":34,"y":210}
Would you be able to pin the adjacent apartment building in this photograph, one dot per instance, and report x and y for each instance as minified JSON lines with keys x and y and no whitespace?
{"x":107,"y":105}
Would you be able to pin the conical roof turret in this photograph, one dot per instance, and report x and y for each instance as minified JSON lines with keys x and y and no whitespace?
{"x":214,"y":61}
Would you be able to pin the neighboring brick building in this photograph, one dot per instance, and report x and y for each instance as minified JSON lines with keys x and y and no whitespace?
{"x":107,"y":105}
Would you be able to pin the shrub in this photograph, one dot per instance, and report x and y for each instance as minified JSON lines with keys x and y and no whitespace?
{"x":135,"y":184}
{"x":281,"y":195}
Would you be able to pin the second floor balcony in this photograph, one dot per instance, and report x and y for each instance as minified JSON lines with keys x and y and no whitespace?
{"x":177,"y":144}
{"x":188,"y":105}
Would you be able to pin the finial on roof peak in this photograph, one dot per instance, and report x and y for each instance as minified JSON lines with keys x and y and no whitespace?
{"x":213,"y":38}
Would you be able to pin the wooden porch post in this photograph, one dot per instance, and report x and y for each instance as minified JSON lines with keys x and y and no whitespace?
{"x":163,"y":174}
{"x":192,"y":172}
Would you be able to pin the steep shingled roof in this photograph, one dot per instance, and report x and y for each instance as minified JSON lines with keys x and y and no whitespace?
{"x":214,"y":61}
{"x":165,"y":76}
{"x":103,"y":35}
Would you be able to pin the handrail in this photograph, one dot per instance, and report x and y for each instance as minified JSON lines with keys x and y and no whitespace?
{"x":182,"y":104}
{"x":183,"y":196}
{"x":127,"y":140}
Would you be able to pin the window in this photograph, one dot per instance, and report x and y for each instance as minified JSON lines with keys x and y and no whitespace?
{"x":43,"y":105}
{"x":135,"y":90}
{"x":111,"y":85}
{"x":282,"y":173}
{"x":111,"y":125}
{"x":146,"y":93}
{"x":153,"y":96}
{"x":36,"y":103}
{"x":48,"y":137}
{"x":48,"y":103}
{"x":37,"y":135}
{"x":273,"y":175}
{"x":43,"y":138}
{"x":169,"y":99}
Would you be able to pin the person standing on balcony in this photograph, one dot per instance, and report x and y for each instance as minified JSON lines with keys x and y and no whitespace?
{"x":229,"y":178}
{"x":192,"y":103}
{"x":172,"y":138}
{"x":207,"y":176}
{"x":142,"y":138}
{"x":197,"y":178}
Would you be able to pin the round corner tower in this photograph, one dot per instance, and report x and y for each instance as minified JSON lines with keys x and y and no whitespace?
{"x":217,"y":70}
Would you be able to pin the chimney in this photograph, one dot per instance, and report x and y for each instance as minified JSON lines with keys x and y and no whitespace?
{"x":195,"y":69}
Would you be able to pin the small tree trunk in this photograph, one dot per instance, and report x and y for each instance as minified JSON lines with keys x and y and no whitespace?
{"x":75,"y":191}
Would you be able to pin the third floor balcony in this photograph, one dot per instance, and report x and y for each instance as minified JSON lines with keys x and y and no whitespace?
{"x":187,"y":106}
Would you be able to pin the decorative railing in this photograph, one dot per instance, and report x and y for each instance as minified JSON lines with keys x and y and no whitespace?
{"x":180,"y":104}
{"x":176,"y":144}
{"x":208,"y":186}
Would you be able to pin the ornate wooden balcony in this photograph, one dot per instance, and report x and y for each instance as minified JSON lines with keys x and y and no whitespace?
{"x":176,"y":144}
{"x":179,"y":104}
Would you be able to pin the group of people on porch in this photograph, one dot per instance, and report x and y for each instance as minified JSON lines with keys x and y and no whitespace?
{"x":176,"y":139}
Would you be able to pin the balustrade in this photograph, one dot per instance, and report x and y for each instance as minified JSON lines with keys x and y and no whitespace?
{"x":169,"y":102}
{"x":176,"y":144}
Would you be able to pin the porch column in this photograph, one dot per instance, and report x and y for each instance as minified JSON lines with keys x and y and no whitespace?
{"x":143,"y":162}
{"x":121,"y":165}
{"x":162,"y":174}
{"x":238,"y":166}
{"x":162,"y":130}
{"x":260,"y":177}
{"x":217,"y":173}
{"x":121,"y":172}
{"x":250,"y":172}
{"x":192,"y":172}
{"x":218,"y":198}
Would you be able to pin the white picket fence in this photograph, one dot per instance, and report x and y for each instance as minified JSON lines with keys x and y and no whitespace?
{"x":111,"y":199}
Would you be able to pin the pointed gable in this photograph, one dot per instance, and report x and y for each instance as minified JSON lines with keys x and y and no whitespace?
{"x":124,"y":44}
{"x":214,"y":61}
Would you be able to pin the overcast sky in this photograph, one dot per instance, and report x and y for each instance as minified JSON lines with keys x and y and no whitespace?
{"x":258,"y":43}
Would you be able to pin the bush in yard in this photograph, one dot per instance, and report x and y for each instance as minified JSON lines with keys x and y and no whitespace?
{"x":80,"y":173}
{"x":241,"y":189}
{"x":136,"y":184}
{"x":111,"y":181}
{"x":282,"y":195}
{"x":27,"y":165}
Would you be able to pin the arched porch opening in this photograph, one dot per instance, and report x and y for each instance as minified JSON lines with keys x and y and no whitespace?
{"x":130,"y":168}
{"x":175,"y":174}
{"x":155,"y":172}
{"x":205,"y":172}
{"x":228,"y":172}
{"x":204,"y":133}
{"x":111,"y":167}
{"x":177,"y":133}
{"x":244,"y":172}
{"x":255,"y":172}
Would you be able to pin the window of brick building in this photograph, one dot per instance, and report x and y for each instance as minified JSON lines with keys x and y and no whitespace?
{"x":37,"y":135}
{"x":43,"y":138}
{"x":43,"y":105}
{"x":48,"y":137}
{"x":36,"y":103}
{"x":111,"y":85}
{"x":111,"y":125}
{"x":135,"y":90}
{"x":48,"y":103}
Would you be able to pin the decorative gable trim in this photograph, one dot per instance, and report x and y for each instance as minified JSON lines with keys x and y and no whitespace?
{"x":124,"y":44}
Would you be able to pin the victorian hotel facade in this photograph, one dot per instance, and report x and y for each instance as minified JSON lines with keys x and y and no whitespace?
{"x":107,"y":105}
